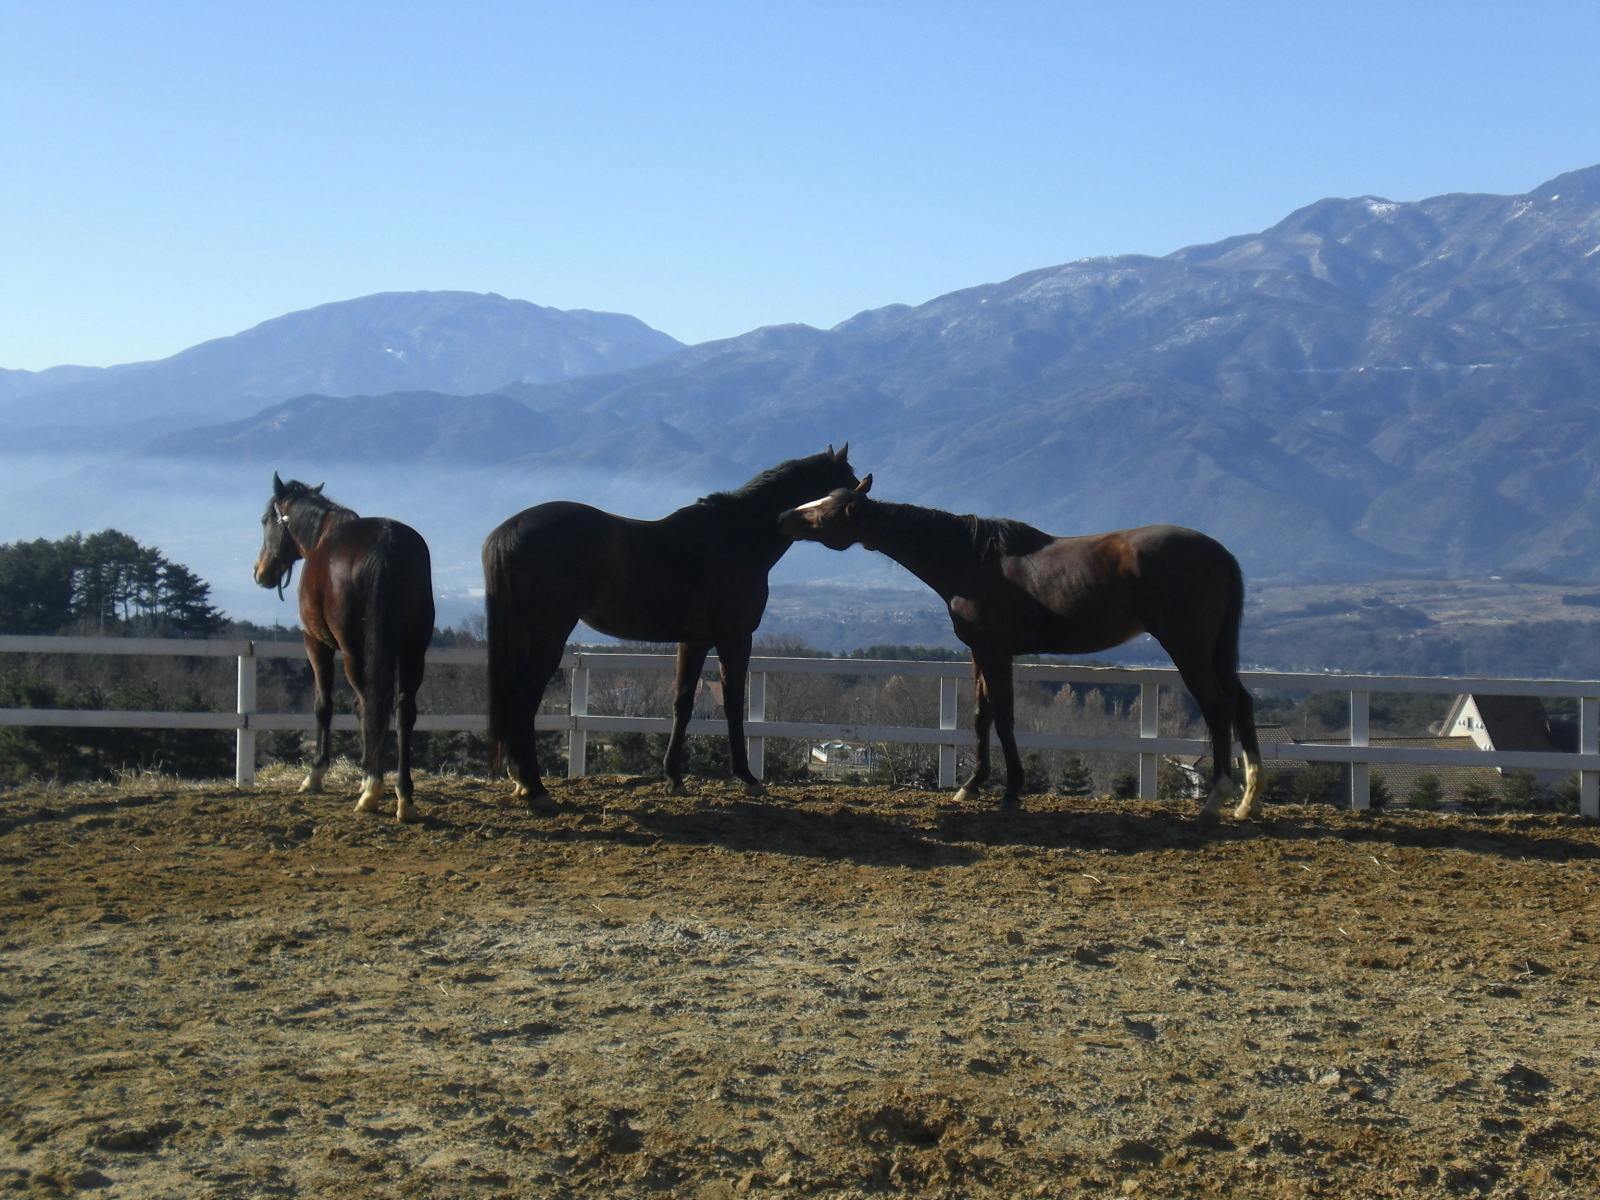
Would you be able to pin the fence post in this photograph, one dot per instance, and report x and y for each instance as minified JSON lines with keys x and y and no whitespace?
{"x":1360,"y":772}
{"x":756,"y":747}
{"x":1589,"y":743}
{"x":578,"y":706}
{"x":1149,"y":720}
{"x":244,"y":738}
{"x":947,"y":722}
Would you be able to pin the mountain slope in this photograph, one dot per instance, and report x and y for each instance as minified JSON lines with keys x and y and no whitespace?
{"x":459,"y":343}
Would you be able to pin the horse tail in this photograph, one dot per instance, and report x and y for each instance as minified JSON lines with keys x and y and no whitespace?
{"x":1226,"y":662}
{"x":373,"y":597}
{"x":510,"y":650}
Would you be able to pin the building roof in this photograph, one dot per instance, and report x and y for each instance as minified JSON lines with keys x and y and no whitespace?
{"x":1511,"y":722}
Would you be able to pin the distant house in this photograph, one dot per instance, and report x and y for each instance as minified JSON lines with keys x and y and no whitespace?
{"x":1473,"y":723}
{"x":1400,"y":778}
{"x":836,"y":759}
{"x":1499,"y":722}
{"x":1506,"y":723}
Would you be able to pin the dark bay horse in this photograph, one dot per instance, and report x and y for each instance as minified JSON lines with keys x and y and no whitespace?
{"x":697,"y":577}
{"x":367,"y":591}
{"x":1012,"y":589}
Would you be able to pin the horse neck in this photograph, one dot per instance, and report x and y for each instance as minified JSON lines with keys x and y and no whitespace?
{"x":934,"y":546}
{"x":309,"y":523}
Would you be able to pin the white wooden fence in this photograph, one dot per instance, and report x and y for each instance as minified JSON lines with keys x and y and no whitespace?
{"x":578,"y":722}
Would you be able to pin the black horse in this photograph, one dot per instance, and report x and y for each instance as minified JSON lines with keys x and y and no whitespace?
{"x":1012,"y":589}
{"x":367,"y":591}
{"x":697,"y":577}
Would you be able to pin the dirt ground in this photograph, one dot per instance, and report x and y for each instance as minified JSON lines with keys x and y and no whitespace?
{"x":830,"y":991}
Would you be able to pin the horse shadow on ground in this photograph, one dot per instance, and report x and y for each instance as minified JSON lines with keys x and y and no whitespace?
{"x":1142,"y":830}
{"x":1510,"y":838}
{"x":16,"y":815}
{"x":921,"y":836}
{"x":764,"y":825}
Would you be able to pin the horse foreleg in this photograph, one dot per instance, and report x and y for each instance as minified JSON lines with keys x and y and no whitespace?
{"x":321,"y":658}
{"x":733,"y":663}
{"x":982,"y":717}
{"x":691,"y":660}
{"x":997,"y":683}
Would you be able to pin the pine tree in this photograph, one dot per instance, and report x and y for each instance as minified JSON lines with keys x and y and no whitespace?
{"x":1075,"y":778}
{"x":1426,"y":794}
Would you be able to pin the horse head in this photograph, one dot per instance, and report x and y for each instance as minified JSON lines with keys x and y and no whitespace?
{"x":834,"y":520}
{"x":279,"y":549}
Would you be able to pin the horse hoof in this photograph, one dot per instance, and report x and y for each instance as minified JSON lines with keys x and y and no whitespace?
{"x":961,"y":796}
{"x":1246,"y":812}
{"x":311,"y":785}
{"x":755,"y":788}
{"x":1207,"y":818}
{"x":1010,"y":803}
{"x":676,"y":788}
{"x":371,"y":794}
{"x":406,"y":813}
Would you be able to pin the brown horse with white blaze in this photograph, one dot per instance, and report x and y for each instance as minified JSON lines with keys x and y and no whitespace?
{"x":1012,"y":589}
{"x":366,"y":591}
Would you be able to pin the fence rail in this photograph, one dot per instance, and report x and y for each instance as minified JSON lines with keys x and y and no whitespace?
{"x":578,"y":722}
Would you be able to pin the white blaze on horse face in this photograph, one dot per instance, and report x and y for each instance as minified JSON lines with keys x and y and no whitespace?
{"x":808,"y":515}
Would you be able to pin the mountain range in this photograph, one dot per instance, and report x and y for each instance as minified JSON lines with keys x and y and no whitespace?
{"x":448,"y":342}
{"x":1366,"y":387}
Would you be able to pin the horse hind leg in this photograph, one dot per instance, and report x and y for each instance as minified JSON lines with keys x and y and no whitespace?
{"x":406,"y":720}
{"x":1209,"y":695}
{"x":374,"y":683}
{"x":1245,"y":721}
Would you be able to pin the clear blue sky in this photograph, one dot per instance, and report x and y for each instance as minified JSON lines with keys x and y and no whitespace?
{"x":171,"y":172}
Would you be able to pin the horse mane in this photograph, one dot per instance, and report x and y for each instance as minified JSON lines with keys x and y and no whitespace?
{"x":984,"y":538}
{"x":750,"y":512}
{"x":760,"y":488}
{"x":311,"y":512}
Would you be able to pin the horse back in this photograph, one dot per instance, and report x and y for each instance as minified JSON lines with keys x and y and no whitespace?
{"x":369,"y":569}
{"x":641,"y":580}
{"x":1091,"y":592}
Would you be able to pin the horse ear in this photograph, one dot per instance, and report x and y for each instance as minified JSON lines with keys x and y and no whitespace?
{"x":319,"y":487}
{"x":844,"y":451}
{"x":864,"y":486}
{"x":277,"y":487}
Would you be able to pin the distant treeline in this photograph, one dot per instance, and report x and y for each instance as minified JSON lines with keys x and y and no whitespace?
{"x":103,"y":583}
{"x":106,"y":583}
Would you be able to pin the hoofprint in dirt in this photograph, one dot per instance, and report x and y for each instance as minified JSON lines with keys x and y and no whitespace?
{"x":824,"y":992}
